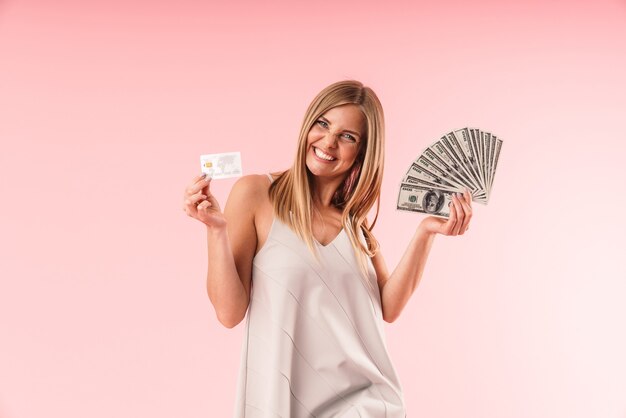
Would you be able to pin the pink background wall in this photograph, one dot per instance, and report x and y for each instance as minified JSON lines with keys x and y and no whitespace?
{"x":105,"y":107}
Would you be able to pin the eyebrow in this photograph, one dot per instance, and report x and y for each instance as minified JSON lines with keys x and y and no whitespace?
{"x":347,"y":130}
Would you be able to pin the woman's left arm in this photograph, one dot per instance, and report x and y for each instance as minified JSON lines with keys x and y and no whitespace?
{"x":397,"y":288}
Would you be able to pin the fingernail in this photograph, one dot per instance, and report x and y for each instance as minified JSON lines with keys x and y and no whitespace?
{"x":459,"y":194}
{"x":203,"y":175}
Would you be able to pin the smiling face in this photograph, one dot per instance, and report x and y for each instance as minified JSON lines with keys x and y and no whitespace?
{"x":334,"y":141}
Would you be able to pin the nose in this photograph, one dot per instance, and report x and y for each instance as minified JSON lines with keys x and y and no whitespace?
{"x":330,"y":139}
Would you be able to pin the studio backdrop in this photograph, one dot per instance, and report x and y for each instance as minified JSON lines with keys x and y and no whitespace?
{"x":106,"y":107}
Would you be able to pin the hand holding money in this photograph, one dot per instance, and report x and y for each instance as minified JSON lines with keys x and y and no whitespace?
{"x":465,"y":159}
{"x":199,"y":203}
{"x":460,"y":214}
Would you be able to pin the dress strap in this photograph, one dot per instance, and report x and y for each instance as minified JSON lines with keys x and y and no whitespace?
{"x":270,"y":177}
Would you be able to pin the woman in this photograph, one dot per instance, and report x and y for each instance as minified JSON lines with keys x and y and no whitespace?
{"x":294,"y":250}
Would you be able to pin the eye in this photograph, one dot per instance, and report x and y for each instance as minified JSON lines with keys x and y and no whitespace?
{"x":350,"y":137}
{"x":322,"y":123}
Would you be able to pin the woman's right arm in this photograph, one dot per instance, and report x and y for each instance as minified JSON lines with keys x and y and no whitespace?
{"x":230,"y":253}
{"x":231,"y":244}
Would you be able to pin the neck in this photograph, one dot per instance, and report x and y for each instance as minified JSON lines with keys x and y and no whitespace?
{"x":323,"y":190}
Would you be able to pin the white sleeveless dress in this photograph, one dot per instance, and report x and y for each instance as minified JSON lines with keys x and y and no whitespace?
{"x":314,"y":343}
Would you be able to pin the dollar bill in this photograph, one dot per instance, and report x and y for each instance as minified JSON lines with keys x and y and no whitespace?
{"x":463,"y":142}
{"x":487,"y":152}
{"x":450,"y":173}
{"x":419,"y":172}
{"x":426,"y":163}
{"x":452,"y":166}
{"x":496,"y":157}
{"x":416,"y":198}
{"x":462,"y":159}
{"x":420,"y":181}
{"x":221,"y":166}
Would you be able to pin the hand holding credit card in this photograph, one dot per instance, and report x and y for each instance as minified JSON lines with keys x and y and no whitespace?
{"x":221,"y":166}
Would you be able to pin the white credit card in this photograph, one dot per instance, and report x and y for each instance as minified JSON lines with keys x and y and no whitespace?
{"x":221,"y":166}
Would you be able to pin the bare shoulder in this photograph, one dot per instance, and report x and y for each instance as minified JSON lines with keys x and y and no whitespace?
{"x":248,"y":198}
{"x":249,"y":211}
{"x":251,"y":184}
{"x":249,"y":190}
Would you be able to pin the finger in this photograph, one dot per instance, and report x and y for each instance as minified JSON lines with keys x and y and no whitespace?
{"x":195,"y":181}
{"x":197,"y":198}
{"x":464,"y":227}
{"x":452,"y":219}
{"x":459,"y":214}
{"x":200,"y":185}
{"x":191,"y":202}
{"x":467,"y":215}
{"x":468,"y":196}
{"x":206,"y":186}
{"x":213,"y":202}
{"x":198,"y":178}
{"x":204,"y":205}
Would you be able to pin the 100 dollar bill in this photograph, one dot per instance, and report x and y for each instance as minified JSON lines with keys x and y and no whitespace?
{"x":416,"y":198}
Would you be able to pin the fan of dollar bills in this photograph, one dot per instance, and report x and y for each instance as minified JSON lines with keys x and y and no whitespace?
{"x":465,"y":158}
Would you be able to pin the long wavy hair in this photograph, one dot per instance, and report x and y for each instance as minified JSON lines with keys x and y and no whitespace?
{"x":291,"y":191}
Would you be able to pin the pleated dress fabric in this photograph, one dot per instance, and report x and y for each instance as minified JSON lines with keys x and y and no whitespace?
{"x":314,"y":343}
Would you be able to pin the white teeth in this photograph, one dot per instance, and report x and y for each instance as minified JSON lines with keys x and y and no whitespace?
{"x":322,"y":155}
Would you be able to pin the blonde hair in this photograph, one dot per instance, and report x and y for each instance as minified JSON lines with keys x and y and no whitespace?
{"x":291,"y":191}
